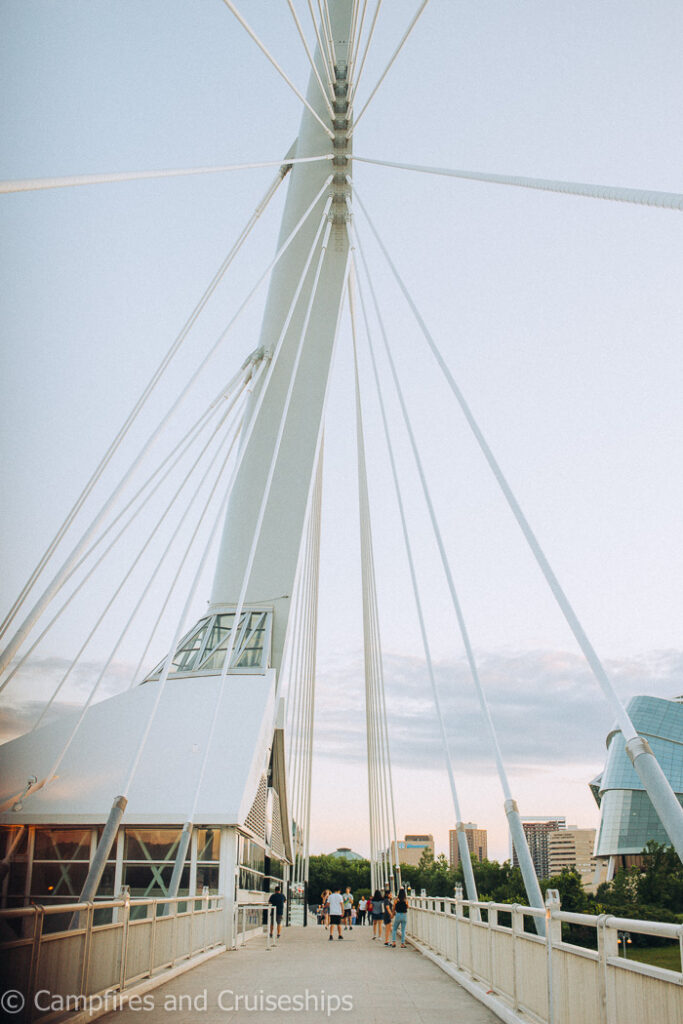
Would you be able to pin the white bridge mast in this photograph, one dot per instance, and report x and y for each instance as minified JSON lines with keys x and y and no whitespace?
{"x":272,"y":576}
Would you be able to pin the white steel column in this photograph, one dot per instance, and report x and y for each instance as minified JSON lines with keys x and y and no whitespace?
{"x":274,"y":567}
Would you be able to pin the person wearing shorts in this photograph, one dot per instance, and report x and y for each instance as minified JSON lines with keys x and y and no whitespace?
{"x":277,"y":900}
{"x":377,"y":915}
{"x":336,"y":910}
{"x":326,"y":908}
{"x":347,"y":900}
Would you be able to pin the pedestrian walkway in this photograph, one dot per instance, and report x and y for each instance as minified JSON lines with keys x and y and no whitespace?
{"x":355,"y":981}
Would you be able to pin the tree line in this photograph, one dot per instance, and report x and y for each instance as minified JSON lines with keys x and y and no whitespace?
{"x":651,"y":892}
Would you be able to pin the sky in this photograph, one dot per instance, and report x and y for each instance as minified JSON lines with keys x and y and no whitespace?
{"x":560,"y":318}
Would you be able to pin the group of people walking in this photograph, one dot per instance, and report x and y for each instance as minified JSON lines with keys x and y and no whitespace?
{"x":384,"y":911}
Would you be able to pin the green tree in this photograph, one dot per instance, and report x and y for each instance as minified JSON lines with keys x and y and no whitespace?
{"x":573,"y":897}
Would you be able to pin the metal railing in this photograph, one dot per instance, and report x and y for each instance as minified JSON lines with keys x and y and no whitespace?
{"x":75,"y":952}
{"x":253,"y":917}
{"x":551,"y":980}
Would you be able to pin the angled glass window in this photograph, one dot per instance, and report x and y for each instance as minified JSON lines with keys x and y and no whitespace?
{"x":203,"y":649}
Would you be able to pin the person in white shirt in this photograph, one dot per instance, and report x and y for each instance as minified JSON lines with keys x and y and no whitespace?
{"x":347,"y":900}
{"x":362,"y":907}
{"x":336,"y":909}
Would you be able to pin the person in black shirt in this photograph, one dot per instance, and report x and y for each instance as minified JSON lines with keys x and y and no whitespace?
{"x":388,"y":908}
{"x":400,"y":918}
{"x":277,"y":900}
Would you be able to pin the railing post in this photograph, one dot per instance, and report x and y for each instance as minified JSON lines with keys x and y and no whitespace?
{"x":458,"y":914}
{"x":87,"y":941}
{"x":552,"y":902}
{"x":608,"y":945}
{"x":517,"y":927}
{"x":173,"y":910}
{"x":271,"y":924}
{"x":205,"y":907}
{"x":491,"y":920}
{"x":35,"y":959}
{"x":124,"y":938}
{"x":153,"y":942}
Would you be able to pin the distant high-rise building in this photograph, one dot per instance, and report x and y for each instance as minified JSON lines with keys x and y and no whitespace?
{"x":477,"y":843}
{"x":627,"y":818}
{"x":572,"y":847}
{"x":411,"y":848}
{"x":537,"y":831}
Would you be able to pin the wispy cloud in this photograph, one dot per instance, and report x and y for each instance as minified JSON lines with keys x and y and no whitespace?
{"x":546,"y":707}
{"x":18,"y":714}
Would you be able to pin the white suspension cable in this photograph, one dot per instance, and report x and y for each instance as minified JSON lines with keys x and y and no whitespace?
{"x":356,"y":36}
{"x":161,"y":685}
{"x":311,"y":61}
{"x":354,"y":88}
{"x":322,"y":50}
{"x":249,"y":386}
{"x":169,"y":463}
{"x":471,"y":888}
{"x":127,"y":576}
{"x":646,"y":765}
{"x":300,"y":679}
{"x":266,"y":492}
{"x":165,"y":553}
{"x":625,"y":723}
{"x":355,"y":8}
{"x":132,"y":416}
{"x":58,"y":580}
{"x":642,"y":197}
{"x":371,"y":631}
{"x":317,"y":511}
{"x":55,"y":768}
{"x":34,"y":184}
{"x":373,"y":614}
{"x":163,"y":678}
{"x":471,"y":660}
{"x":231,"y":7}
{"x":327,"y":33}
{"x":398,"y":49}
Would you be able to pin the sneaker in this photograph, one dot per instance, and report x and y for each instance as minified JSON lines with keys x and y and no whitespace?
{"x":340,"y":937}
{"x":330,"y":938}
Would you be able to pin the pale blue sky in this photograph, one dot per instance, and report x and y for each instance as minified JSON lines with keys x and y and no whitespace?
{"x":561,"y":317}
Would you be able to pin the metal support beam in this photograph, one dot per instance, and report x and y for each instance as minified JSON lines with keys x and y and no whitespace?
{"x":179,"y":864}
{"x":101,"y":857}
{"x":466,"y":861}
{"x":533,"y":889}
{"x":659,"y":790}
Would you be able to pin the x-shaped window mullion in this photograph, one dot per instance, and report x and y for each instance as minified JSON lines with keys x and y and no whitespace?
{"x":64,"y":866}
{"x":64,"y":872}
{"x":244,"y":643}
{"x":155,"y":868}
{"x":225,"y":640}
{"x":239,"y":643}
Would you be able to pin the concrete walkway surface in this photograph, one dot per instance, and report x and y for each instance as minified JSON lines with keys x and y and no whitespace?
{"x":306,"y":978}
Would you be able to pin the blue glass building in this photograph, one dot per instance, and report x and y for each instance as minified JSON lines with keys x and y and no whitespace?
{"x":628,"y":819}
